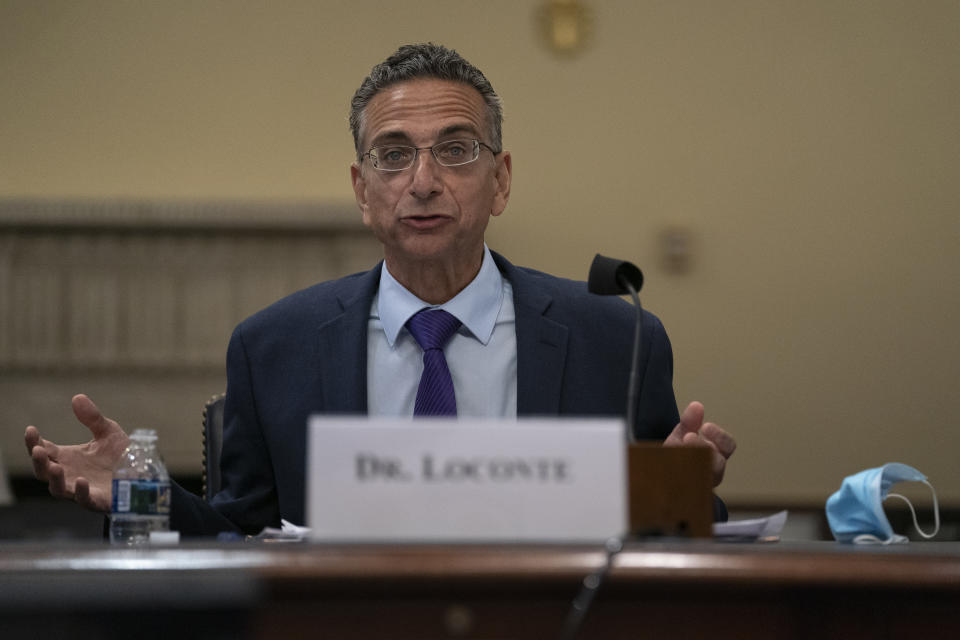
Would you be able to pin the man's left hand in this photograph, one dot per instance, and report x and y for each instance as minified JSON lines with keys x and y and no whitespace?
{"x":692,"y":431}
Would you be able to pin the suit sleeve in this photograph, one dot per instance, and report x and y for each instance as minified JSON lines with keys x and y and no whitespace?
{"x":657,"y":406}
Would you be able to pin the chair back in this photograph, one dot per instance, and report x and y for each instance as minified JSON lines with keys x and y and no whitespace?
{"x":212,"y":444}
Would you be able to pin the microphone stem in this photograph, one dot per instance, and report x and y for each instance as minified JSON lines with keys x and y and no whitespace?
{"x":634,"y":365}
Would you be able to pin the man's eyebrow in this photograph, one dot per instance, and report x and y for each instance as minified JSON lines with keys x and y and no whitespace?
{"x":390,"y":136}
{"x":457,"y":128}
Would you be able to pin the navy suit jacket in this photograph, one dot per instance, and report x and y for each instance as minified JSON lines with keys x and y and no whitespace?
{"x":307,"y":354}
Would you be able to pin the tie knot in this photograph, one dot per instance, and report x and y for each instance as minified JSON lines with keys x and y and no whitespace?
{"x":432,"y":328}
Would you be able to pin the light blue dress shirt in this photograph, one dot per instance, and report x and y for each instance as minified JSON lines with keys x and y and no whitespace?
{"x":482,"y":355}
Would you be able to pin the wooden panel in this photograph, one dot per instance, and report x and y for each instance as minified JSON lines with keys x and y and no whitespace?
{"x":147,"y":285}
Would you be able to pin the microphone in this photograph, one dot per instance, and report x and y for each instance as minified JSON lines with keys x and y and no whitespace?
{"x":612,"y":277}
{"x":609,"y":276}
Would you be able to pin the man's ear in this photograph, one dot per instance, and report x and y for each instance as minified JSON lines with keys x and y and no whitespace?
{"x":359,"y":190}
{"x":503,"y":176}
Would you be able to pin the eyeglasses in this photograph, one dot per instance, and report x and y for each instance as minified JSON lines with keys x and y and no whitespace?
{"x":450,"y":153}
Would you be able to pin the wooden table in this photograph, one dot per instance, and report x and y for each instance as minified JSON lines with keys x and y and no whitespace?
{"x":654,"y":589}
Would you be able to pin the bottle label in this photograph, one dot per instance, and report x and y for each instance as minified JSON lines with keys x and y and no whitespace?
{"x":144,"y":497}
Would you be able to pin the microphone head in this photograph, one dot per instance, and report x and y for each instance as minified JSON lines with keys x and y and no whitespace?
{"x":608,"y":276}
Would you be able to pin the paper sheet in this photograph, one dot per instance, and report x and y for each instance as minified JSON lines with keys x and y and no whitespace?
{"x":754,"y":529}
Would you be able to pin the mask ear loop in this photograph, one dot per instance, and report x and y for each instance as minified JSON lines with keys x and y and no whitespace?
{"x":936,"y":511}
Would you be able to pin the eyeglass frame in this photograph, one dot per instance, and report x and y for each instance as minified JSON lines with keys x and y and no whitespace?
{"x":477,"y":144}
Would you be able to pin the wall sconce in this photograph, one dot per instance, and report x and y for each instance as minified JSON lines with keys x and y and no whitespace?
{"x":565,"y":25}
{"x":676,"y":249}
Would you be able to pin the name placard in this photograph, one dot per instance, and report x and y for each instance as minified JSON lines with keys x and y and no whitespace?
{"x":388,"y":480}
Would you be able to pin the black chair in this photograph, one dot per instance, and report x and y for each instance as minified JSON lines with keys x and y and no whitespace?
{"x":212,"y":443}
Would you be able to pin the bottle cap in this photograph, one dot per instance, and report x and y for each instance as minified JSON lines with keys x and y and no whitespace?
{"x":144,"y":434}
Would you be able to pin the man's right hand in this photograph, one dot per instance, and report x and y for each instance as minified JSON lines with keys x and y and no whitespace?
{"x":80,"y":472}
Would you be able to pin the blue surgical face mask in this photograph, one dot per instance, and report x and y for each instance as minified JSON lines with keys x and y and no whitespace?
{"x":855,"y":512}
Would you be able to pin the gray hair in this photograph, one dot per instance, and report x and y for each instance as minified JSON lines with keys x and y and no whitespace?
{"x":425,"y":61}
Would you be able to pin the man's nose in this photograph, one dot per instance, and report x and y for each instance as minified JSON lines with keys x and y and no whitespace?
{"x":426,"y":175}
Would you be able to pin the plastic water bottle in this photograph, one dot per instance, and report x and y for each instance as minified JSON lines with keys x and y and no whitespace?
{"x":141,"y":492}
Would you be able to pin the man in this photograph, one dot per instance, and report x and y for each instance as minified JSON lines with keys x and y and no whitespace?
{"x":430,"y":172}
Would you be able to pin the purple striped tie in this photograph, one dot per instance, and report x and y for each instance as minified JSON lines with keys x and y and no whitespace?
{"x":432,"y":328}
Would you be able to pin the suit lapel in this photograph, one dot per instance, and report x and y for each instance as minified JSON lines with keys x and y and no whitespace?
{"x":541,"y":345}
{"x":342,"y":348}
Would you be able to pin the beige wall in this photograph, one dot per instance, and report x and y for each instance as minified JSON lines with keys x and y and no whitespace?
{"x":810,"y":148}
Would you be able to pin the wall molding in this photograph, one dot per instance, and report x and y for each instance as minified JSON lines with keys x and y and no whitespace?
{"x":179,"y":214}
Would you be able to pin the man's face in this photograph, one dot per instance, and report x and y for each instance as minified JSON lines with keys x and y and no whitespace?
{"x":430,"y":214}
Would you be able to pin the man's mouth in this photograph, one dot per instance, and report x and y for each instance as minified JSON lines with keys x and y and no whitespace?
{"x":425,"y":222}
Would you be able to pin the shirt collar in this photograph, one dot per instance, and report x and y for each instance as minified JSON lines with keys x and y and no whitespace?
{"x":476,"y":307}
